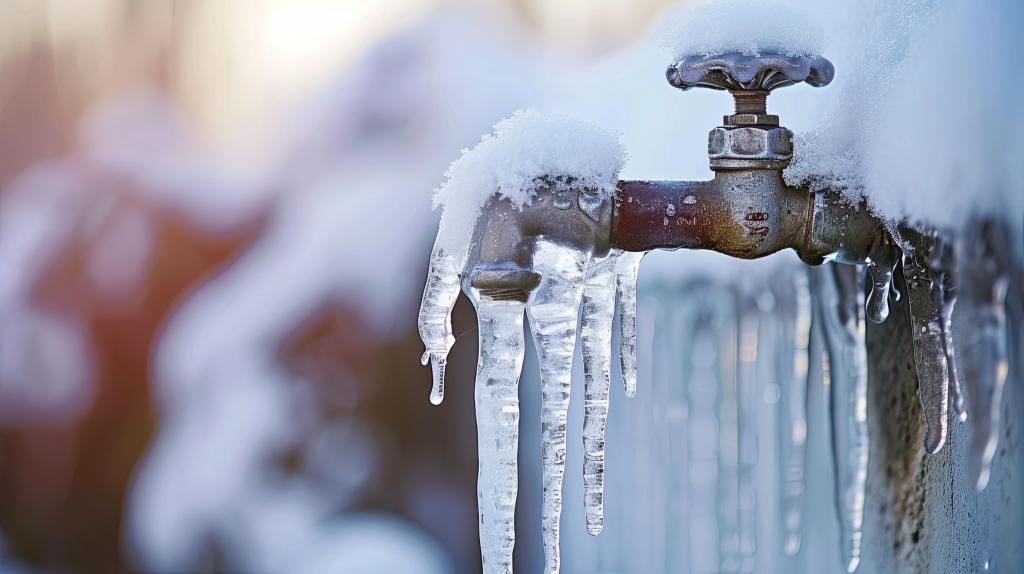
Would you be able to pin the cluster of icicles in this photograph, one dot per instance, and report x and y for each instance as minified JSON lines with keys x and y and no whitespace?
{"x":572,"y":281}
{"x":579,"y":291}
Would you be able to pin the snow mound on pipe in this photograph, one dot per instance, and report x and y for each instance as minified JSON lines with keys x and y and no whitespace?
{"x":748,"y":26}
{"x":906,"y":128}
{"x":948,"y":146}
{"x":522,"y":148}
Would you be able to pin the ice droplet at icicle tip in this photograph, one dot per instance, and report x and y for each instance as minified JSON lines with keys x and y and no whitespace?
{"x":435,"y":318}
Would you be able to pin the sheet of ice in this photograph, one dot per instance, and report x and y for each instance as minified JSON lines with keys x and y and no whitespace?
{"x":750,"y":26}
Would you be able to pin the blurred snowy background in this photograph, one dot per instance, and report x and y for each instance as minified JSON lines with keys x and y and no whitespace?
{"x":214,"y":231}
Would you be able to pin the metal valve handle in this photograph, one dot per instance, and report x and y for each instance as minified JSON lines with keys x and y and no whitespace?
{"x":749,"y":77}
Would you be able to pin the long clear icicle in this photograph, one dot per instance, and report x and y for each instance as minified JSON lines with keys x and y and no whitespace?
{"x":553,"y":312}
{"x":943,"y":264}
{"x":924,"y":287}
{"x":596,"y":335}
{"x":793,"y":415}
{"x":986,"y":270}
{"x":840,"y":313}
{"x":435,"y":320}
{"x":627,"y":268}
{"x":499,"y":364}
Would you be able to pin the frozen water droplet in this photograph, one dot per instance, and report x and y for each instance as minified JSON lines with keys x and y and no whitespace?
{"x":435,"y":318}
{"x":670,"y":210}
{"x":690,"y":200}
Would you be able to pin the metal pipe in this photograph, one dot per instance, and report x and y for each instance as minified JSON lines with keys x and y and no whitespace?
{"x":745,"y":213}
{"x":741,"y":213}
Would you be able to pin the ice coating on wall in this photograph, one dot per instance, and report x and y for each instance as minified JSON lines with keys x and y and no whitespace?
{"x":748,"y":26}
{"x":522,"y":148}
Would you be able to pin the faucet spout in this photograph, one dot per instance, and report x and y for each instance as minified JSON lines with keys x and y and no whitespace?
{"x":746,"y":213}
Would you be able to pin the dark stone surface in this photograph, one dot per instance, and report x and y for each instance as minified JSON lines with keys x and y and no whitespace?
{"x":922,"y":513}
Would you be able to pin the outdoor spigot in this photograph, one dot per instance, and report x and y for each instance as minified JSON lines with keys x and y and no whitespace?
{"x":747,"y":210}
{"x":750,"y":137}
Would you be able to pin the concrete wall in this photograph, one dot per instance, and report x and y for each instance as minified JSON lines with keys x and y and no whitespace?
{"x":922,"y":514}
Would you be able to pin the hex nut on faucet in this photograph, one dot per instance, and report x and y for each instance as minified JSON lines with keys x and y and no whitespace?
{"x":750,"y":148}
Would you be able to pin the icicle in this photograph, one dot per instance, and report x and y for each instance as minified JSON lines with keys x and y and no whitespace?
{"x":596,"y":335}
{"x":943,"y":263}
{"x":626,"y":270}
{"x":793,"y":415}
{"x":497,"y":419}
{"x":882,"y":259}
{"x":553,"y":311}
{"x":986,"y":268}
{"x":435,"y":320}
{"x":840,"y":294}
{"x":925,"y":298}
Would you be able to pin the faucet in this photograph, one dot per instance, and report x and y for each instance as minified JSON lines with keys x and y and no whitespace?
{"x":573,"y":247}
{"x":746,"y":211}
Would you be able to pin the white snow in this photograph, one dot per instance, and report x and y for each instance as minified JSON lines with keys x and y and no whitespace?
{"x":918,"y":117}
{"x":948,"y":140}
{"x":747,"y":26}
{"x":522,"y":148}
{"x":921,"y":106}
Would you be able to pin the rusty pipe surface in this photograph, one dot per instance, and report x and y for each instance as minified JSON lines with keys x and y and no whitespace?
{"x":746,"y":213}
{"x":743,"y":213}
